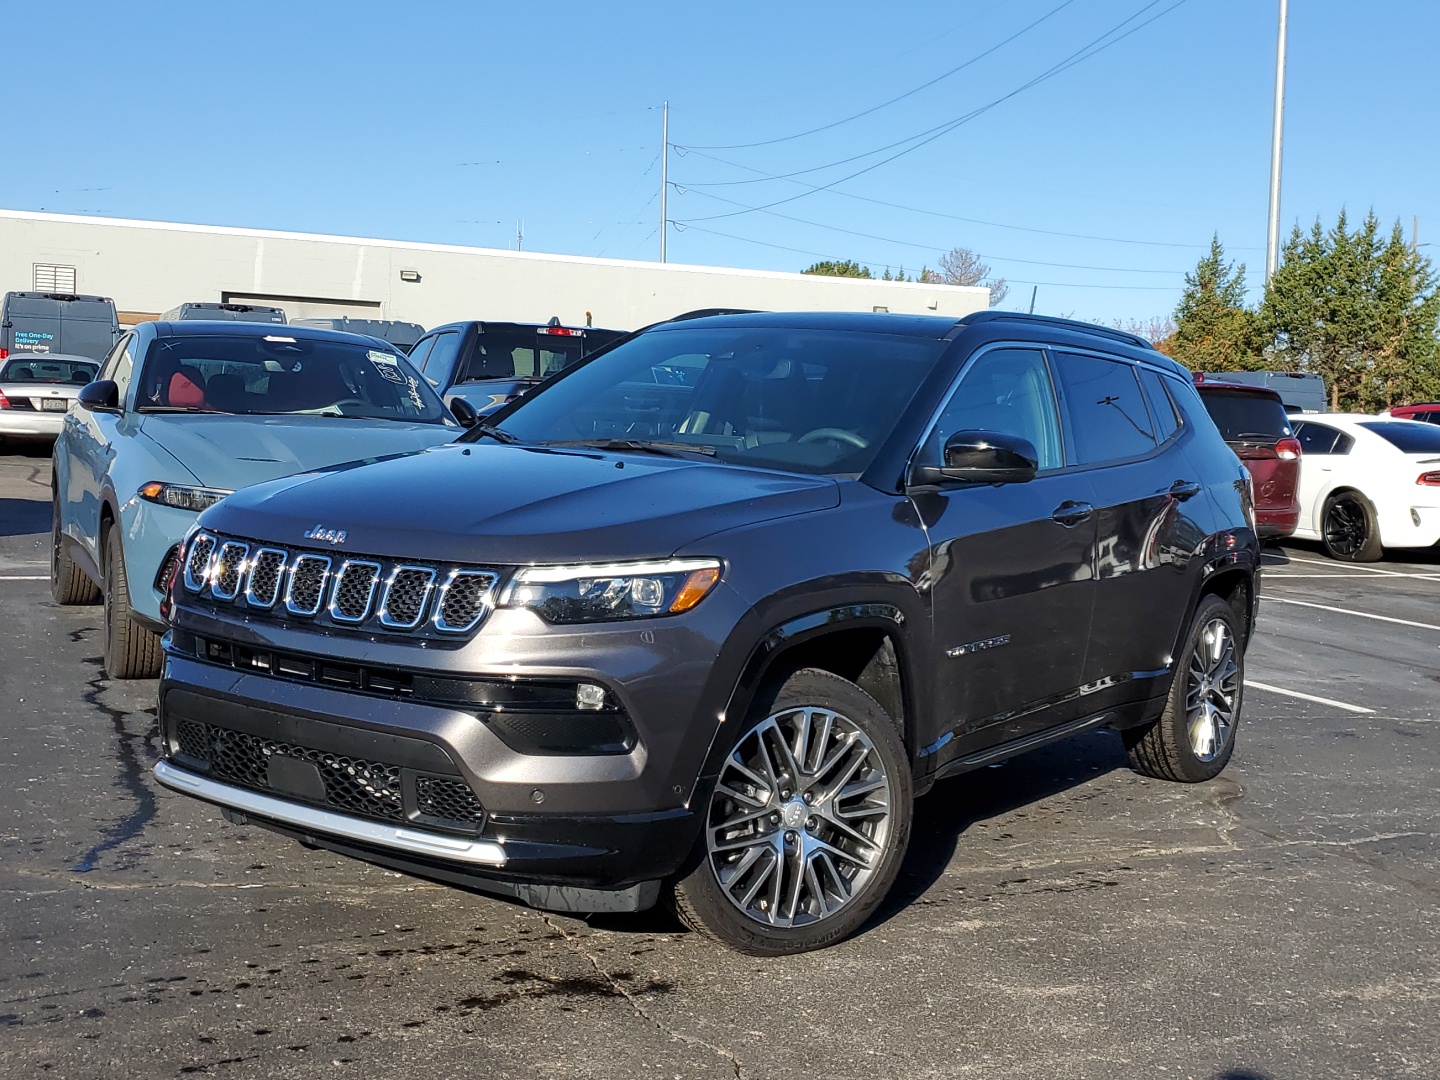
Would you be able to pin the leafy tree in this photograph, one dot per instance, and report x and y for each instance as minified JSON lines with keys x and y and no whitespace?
{"x":1214,"y":330}
{"x":961,"y":266}
{"x":831,"y":268}
{"x":1358,"y":309}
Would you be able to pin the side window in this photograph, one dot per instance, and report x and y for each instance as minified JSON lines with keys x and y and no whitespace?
{"x":442,"y":358}
{"x":1108,"y":417}
{"x":120,"y":366}
{"x":420,"y":352}
{"x":1320,"y":439}
{"x":1162,"y":409}
{"x":1009,"y":391}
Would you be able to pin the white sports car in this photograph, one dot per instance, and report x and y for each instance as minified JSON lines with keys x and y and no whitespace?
{"x":1368,"y":483}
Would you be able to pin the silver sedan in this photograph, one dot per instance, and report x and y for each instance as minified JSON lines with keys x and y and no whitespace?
{"x":37,"y":389}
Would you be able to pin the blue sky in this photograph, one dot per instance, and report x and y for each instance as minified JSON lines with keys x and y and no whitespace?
{"x":449,"y":122}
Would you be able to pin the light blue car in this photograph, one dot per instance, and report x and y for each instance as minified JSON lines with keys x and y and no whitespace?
{"x":181,"y":415}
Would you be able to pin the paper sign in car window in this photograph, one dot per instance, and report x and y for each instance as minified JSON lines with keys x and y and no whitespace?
{"x":386,"y":365}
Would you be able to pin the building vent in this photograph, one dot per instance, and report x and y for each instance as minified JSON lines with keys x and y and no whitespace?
{"x":52,"y":278}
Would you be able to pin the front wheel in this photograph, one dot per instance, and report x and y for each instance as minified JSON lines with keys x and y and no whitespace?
{"x":1349,"y":528}
{"x":1195,"y":735}
{"x":132,"y":651}
{"x":807,"y":825}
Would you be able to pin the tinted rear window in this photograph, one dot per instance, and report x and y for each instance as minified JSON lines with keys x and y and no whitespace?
{"x":1245,"y":417}
{"x":1407,"y":436}
{"x":47,"y":371}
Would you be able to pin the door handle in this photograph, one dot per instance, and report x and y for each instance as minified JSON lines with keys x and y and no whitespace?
{"x":1181,"y":490}
{"x":1070,"y":514}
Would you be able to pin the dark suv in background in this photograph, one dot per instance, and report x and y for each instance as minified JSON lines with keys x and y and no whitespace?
{"x":701,"y":616}
{"x":491,"y":363}
{"x":1254,"y":423}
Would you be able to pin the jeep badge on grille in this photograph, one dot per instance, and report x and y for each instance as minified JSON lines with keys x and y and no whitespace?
{"x":330,"y":536}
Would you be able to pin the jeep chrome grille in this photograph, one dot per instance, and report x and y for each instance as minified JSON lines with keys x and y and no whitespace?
{"x":354,"y":587}
{"x":197,"y":566}
{"x":400,"y":596}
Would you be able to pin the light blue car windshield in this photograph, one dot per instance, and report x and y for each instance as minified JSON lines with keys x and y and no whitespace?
{"x":278,"y":374}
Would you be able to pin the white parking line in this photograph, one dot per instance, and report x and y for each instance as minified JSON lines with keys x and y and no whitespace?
{"x":1347,"y":611}
{"x":38,"y":577}
{"x":1306,"y":697}
{"x":1338,"y":566}
{"x":1274,"y":576}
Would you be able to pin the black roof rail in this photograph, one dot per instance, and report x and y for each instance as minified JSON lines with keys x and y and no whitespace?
{"x":1067,"y":324}
{"x":705,"y":313}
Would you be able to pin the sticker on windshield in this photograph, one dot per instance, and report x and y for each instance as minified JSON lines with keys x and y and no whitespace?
{"x":387,"y":366}
{"x":414,"y":387}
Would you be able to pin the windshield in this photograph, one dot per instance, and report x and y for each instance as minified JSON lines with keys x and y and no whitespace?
{"x":524,"y":352}
{"x":1407,"y":436}
{"x":813,"y":401}
{"x":38,"y":370}
{"x":283,"y":375}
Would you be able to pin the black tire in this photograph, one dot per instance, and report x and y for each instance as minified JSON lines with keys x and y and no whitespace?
{"x":69,"y":585}
{"x":1172,"y":747}
{"x":1349,"y":528}
{"x":858,"y":740}
{"x":132,"y":651}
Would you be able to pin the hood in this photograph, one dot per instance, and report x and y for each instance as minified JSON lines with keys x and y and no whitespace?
{"x":506,"y":505}
{"x":237,"y":451}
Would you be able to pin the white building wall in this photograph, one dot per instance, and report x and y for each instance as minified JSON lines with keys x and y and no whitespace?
{"x":148,"y":266}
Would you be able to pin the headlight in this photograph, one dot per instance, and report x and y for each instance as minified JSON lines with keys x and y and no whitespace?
{"x":582,"y":594}
{"x":181,"y":497}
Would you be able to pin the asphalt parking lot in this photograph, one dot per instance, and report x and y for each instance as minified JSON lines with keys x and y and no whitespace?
{"x":1057,"y":916}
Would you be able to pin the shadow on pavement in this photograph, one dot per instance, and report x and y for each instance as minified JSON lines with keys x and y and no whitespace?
{"x":1240,"y":1074}
{"x":21,"y":517}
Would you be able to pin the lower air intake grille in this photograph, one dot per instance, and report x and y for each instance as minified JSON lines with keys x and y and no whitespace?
{"x":352,"y":785}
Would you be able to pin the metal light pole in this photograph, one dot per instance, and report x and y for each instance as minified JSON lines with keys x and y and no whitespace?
{"x":664,"y":174}
{"x":1272,"y":238}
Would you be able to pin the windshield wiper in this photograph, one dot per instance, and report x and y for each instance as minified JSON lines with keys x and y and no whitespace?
{"x":643,"y":446}
{"x":477,"y":432}
{"x":181,"y":409}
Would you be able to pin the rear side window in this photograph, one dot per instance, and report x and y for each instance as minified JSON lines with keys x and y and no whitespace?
{"x":1162,"y":409}
{"x":1407,"y":437}
{"x":1320,"y":439}
{"x":421,"y":352}
{"x":1243,"y":417}
{"x":1109,"y":420}
{"x":442,"y":358}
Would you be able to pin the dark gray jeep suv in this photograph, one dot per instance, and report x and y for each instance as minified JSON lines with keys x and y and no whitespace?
{"x":702,"y":615}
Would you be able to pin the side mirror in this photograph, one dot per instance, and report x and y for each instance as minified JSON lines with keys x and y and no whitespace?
{"x":463,"y":411}
{"x":102,"y":395}
{"x":982,"y":457}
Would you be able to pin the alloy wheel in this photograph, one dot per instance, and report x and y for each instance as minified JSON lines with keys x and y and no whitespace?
{"x":1212,"y":690}
{"x":800,"y":817}
{"x":1345,"y":527}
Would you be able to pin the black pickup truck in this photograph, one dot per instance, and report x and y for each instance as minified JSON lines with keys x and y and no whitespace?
{"x":490,"y":363}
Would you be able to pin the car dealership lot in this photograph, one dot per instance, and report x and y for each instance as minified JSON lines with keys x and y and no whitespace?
{"x":1057,"y":915}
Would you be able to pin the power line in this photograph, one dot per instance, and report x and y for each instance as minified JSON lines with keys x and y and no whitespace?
{"x":826,"y":255}
{"x":931,"y":247}
{"x":1093,"y":48}
{"x":908,"y":93}
{"x":683,"y":188}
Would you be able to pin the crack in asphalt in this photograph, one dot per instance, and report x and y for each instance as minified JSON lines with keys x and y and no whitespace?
{"x":131,"y":776}
{"x":620,"y":990}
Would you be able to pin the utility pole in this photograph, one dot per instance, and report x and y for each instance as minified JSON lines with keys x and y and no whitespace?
{"x":664,"y":174}
{"x":1272,"y":238}
{"x":519,"y":234}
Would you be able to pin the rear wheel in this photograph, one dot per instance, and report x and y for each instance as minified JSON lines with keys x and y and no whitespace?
{"x":132,"y":651}
{"x":1195,"y":735}
{"x":807,"y":825}
{"x":68,"y":583}
{"x":1349,"y":528}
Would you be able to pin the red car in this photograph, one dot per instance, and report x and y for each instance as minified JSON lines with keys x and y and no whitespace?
{"x":1427,"y":412}
{"x":1253,"y":421}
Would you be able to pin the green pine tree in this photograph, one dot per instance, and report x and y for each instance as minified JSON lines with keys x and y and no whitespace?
{"x":832,"y":268}
{"x":1214,"y":330}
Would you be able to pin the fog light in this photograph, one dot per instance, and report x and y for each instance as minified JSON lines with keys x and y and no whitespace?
{"x":589,"y":696}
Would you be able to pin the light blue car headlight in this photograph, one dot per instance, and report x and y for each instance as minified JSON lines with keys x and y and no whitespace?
{"x":180,"y":496}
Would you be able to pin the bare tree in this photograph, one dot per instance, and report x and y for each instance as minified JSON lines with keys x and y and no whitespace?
{"x":1158,"y":330}
{"x":961,"y":266}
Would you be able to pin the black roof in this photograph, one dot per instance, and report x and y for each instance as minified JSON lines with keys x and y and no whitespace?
{"x":878,"y":322}
{"x":206,"y":328}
